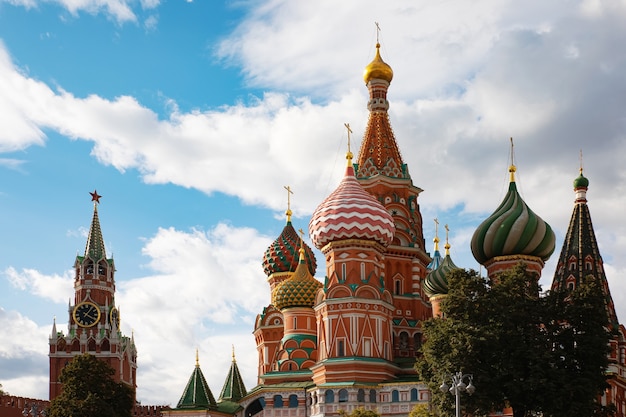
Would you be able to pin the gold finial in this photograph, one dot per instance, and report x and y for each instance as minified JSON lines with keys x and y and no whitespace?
{"x":301,"y":232}
{"x":436,"y":239}
{"x":512,"y":167}
{"x":197,"y":359}
{"x":288,"y":212}
{"x":447,"y":245}
{"x":233,"y":347}
{"x":581,"y":162}
{"x":377,"y":32}
{"x":349,"y":155}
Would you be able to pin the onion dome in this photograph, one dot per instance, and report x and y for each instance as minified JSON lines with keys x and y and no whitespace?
{"x":581,"y":181}
{"x":377,"y":69}
{"x":513,"y":229}
{"x":350,"y":212}
{"x":436,"y":282}
{"x":282,"y":254}
{"x":299,"y":290}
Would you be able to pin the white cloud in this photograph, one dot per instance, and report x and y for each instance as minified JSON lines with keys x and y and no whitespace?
{"x":23,"y":355}
{"x":207,"y":288}
{"x":54,"y":287}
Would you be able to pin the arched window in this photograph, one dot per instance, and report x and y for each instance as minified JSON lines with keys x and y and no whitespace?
{"x":417,"y":341}
{"x":360,"y":396}
{"x":293,"y":401}
{"x":398,"y":287}
{"x":372,"y":395}
{"x":278,"y":401}
{"x":414,"y":394}
{"x":329,"y":396}
{"x":395,"y":396}
{"x":343,"y":395}
{"x":404,"y":340}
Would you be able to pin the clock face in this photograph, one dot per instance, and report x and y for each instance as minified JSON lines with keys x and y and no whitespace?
{"x":86,"y":314}
{"x":114,"y":317}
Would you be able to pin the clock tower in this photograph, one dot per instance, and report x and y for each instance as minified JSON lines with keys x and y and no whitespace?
{"x":94,"y":319}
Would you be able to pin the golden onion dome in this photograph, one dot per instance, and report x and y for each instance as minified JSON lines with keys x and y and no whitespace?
{"x":377,"y":69}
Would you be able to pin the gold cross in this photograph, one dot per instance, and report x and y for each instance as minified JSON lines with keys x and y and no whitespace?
{"x":289,"y":192}
{"x":347,"y":125}
{"x":377,"y":31}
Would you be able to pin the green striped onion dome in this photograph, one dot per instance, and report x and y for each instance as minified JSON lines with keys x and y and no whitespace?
{"x":436,"y":282}
{"x":299,"y":290}
{"x":282,"y":254}
{"x":513,"y":229}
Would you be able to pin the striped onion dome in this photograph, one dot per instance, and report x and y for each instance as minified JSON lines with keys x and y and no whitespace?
{"x":282,"y":254}
{"x":350,"y":212}
{"x":513,"y":229}
{"x":436,"y":282}
{"x":298,"y":290}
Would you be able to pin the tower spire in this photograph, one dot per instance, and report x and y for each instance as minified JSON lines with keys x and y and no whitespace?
{"x":234,"y":388}
{"x":580,"y":256}
{"x":95,"y":243}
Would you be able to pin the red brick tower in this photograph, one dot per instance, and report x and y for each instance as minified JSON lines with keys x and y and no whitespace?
{"x":382,"y":172}
{"x":94,"y":320}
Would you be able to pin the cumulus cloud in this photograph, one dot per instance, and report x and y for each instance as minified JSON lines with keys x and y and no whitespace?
{"x":57,"y":288}
{"x":205,"y":292}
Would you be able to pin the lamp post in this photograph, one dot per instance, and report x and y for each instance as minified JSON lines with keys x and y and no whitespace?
{"x":33,"y":410}
{"x":457,"y":387}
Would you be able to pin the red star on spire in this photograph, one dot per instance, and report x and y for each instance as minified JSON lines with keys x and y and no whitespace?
{"x":95,"y":197}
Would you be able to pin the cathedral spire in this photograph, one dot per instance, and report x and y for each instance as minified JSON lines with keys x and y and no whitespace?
{"x":95,"y":243}
{"x":197,"y":394}
{"x":379,"y":153}
{"x":580,"y":256}
{"x":234,"y":388}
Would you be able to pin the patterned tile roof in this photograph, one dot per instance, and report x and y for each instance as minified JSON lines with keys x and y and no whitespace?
{"x":350,"y":212}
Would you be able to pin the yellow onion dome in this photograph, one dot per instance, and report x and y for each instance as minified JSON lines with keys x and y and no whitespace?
{"x":299,"y":290}
{"x":377,"y":69}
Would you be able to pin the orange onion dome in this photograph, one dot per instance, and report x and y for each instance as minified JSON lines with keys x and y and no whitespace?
{"x":378,"y":69}
{"x":350,"y":212}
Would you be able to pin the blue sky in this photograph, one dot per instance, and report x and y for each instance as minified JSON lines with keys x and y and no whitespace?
{"x":189,"y":117}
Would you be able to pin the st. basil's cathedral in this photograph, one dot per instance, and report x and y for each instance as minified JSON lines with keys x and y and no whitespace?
{"x":349,"y":341}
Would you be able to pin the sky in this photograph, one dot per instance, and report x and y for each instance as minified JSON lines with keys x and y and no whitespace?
{"x":190,"y":116}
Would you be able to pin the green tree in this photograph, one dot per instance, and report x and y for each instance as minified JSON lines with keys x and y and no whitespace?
{"x":523,"y":350}
{"x":2,"y":392}
{"x":89,"y":390}
{"x":359,"y":412}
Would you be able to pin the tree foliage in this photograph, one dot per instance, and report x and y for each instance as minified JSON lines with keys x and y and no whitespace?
{"x":2,"y":392}
{"x":89,"y":390}
{"x":359,"y":412}
{"x":538,"y":354}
